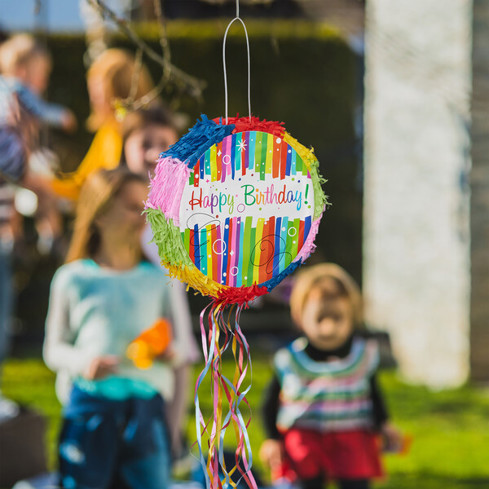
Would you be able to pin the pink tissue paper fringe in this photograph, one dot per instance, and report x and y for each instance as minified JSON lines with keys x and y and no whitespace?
{"x":308,"y":247}
{"x":167,"y":187}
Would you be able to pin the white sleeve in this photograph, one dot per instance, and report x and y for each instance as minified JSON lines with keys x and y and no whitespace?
{"x":59,"y":353}
{"x":184,"y":340}
{"x":150,"y":248}
{"x":182,"y":323}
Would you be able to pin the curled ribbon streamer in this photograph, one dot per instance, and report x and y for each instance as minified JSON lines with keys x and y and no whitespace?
{"x":199,"y":418}
{"x":220,"y":336}
{"x":234,"y":413}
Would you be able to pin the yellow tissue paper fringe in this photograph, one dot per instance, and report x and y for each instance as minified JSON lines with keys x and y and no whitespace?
{"x":310,"y":160}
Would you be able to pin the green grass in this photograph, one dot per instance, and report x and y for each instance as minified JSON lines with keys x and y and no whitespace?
{"x":450,"y":428}
{"x":29,"y":382}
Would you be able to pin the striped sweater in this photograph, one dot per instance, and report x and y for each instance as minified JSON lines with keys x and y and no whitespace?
{"x":328,"y":396}
{"x":7,"y":194}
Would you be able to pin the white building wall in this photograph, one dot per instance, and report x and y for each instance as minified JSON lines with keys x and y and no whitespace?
{"x":416,"y":213}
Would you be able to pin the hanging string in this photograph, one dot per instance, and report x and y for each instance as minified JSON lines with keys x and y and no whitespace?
{"x":237,"y":18}
{"x":228,"y":395}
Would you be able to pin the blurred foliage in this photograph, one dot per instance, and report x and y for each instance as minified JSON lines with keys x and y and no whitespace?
{"x":264,"y":28}
{"x":451,"y":439}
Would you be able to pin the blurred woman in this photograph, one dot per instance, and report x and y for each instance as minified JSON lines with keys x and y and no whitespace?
{"x":111,"y":77}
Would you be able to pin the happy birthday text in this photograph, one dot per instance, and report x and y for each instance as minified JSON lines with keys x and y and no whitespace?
{"x":250,"y":196}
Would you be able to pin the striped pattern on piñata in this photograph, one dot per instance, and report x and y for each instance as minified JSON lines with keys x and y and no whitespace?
{"x":259,"y":252}
{"x":262,"y":153}
{"x":326,"y":396}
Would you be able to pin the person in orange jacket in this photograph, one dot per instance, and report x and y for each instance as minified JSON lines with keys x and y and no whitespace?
{"x":110,"y":78}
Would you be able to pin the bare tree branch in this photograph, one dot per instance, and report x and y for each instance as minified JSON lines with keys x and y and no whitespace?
{"x":192,"y":85}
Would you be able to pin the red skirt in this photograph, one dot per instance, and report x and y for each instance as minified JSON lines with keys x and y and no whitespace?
{"x":333,"y":455}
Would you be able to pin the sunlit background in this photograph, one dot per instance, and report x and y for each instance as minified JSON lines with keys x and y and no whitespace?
{"x":392,"y":95}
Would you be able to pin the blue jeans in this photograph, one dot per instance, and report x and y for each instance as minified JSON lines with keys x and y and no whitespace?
{"x":12,"y":154}
{"x":106,"y":444}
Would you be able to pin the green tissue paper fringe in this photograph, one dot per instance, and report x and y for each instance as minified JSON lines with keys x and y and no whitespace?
{"x":320,"y":198}
{"x":167,"y":237}
{"x":174,"y":256}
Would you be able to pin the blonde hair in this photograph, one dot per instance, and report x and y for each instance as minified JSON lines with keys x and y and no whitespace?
{"x":332,"y":282}
{"x":115,"y":68}
{"x":95,"y":199}
{"x":18,"y":50}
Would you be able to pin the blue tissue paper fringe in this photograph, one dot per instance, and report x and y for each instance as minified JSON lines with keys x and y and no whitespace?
{"x":270,"y":284}
{"x":200,"y":138}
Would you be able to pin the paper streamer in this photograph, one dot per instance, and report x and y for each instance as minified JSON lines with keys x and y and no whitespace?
{"x":221,"y":335}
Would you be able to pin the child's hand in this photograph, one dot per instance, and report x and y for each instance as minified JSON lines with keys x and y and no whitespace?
{"x":392,"y":438}
{"x":167,"y":356}
{"x":69,"y":123}
{"x":101,"y":367}
{"x":271,"y":453}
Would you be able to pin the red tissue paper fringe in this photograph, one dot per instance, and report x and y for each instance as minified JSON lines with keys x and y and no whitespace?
{"x":243,"y":124}
{"x":241,"y":295}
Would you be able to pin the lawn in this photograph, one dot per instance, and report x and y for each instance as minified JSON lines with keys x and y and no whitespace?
{"x":450,"y":428}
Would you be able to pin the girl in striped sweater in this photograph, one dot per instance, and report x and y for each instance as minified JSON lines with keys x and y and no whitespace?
{"x":323,"y":410}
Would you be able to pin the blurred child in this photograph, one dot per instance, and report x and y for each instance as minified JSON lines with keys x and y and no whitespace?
{"x":25,"y":66}
{"x":323,"y":410}
{"x":146,"y":134}
{"x":114,"y":434}
{"x":111,"y":76}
